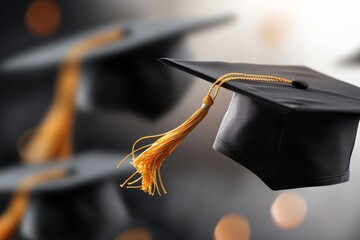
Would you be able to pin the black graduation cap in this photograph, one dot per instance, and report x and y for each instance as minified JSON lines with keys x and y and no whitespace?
{"x":290,"y":125}
{"x":123,"y":74}
{"x":289,"y":135}
{"x":84,"y":204}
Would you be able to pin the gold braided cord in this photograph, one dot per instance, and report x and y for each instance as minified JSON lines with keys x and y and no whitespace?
{"x":233,"y":76}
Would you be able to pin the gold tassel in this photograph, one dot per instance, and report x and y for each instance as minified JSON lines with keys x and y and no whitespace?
{"x":12,"y":216}
{"x":148,"y":163}
{"x":52,"y":139}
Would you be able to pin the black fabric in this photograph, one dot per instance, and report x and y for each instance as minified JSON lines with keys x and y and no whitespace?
{"x":289,"y":137}
{"x":287,"y":150}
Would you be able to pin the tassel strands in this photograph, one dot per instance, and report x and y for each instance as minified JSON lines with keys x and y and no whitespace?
{"x":149,"y":162}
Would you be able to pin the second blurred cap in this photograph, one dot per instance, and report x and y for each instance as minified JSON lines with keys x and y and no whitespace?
{"x":124,"y":74}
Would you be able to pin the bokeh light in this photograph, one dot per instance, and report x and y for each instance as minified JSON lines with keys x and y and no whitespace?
{"x":135,"y":234}
{"x":43,"y":17}
{"x":275,"y":29}
{"x":232,"y":227}
{"x":289,"y":210}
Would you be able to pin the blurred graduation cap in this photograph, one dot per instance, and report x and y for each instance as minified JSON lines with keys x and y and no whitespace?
{"x":290,"y":125}
{"x":352,"y":60}
{"x":122,"y":74}
{"x":84,"y":203}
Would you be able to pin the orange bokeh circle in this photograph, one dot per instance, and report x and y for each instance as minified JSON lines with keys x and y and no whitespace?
{"x":43,"y":17}
{"x":232,"y":227}
{"x":289,"y":210}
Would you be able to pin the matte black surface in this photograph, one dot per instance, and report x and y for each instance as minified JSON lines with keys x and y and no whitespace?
{"x":324,"y":94}
{"x":287,"y":150}
{"x":92,"y":211}
{"x":116,"y":84}
{"x":137,"y":34}
{"x":289,"y":136}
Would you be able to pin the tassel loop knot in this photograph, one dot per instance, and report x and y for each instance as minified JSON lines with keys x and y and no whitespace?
{"x":208,"y":101}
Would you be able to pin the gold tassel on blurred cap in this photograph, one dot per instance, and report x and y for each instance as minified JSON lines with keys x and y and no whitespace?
{"x":52,"y":139}
{"x":11,"y":218}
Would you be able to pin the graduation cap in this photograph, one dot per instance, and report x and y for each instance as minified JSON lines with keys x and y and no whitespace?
{"x":114,"y":66}
{"x":123,"y":74}
{"x":352,"y":60}
{"x":290,"y":125}
{"x":82,"y":203}
{"x":77,"y":199}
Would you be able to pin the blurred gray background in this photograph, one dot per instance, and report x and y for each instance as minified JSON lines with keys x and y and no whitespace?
{"x":204,"y":185}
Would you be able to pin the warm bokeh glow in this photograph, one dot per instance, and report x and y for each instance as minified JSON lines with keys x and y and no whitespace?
{"x":135,"y":234}
{"x":43,"y":17}
{"x":289,"y":210}
{"x":232,"y":227}
{"x":274,"y":29}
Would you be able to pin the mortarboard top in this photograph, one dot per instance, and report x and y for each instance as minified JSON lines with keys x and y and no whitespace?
{"x":138,"y":34}
{"x":324,"y":94}
{"x":84,"y":204}
{"x":81,"y":170}
{"x":290,"y":125}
